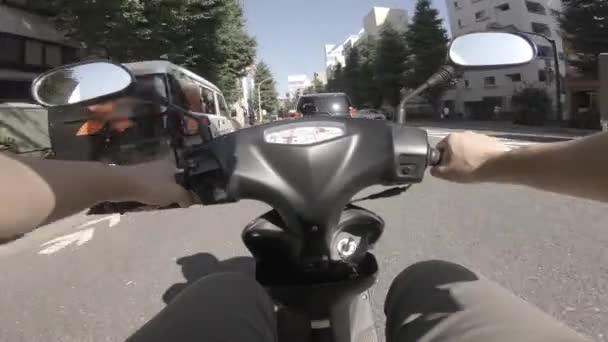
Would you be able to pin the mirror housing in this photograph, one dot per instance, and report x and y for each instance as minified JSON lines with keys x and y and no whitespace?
{"x":477,"y":51}
{"x":82,"y":83}
{"x":490,"y":50}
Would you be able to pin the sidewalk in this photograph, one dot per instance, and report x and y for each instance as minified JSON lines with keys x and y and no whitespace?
{"x":549,"y":131}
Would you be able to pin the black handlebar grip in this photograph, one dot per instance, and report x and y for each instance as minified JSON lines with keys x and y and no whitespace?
{"x":434,"y":156}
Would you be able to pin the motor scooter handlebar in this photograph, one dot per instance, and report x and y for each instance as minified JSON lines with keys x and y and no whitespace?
{"x":233,"y":167}
{"x":435,"y":156}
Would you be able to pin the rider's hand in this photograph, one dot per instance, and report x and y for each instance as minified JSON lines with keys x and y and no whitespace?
{"x":464,"y":156}
{"x":154,"y":183}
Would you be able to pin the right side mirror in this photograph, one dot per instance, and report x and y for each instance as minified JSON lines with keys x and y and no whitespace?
{"x":491,"y":49}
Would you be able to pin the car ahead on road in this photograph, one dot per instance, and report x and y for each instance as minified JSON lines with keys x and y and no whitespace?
{"x":370,"y":113}
{"x":291,"y":115}
{"x":333,"y":104}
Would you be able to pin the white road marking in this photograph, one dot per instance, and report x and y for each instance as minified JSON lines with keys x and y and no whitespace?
{"x":509,"y":142}
{"x":113,"y":220}
{"x":80,"y":237}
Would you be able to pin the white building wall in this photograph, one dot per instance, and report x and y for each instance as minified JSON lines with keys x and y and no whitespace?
{"x":372,"y":26}
{"x":463,"y":19}
{"x":297,"y":83}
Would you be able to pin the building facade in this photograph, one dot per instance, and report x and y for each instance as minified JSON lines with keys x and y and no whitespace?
{"x":372,"y":26}
{"x":30,"y":44}
{"x":296,"y":84}
{"x":478,"y":93}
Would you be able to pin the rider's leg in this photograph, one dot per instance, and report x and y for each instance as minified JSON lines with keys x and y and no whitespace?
{"x":442,"y":301}
{"x":218,"y":307}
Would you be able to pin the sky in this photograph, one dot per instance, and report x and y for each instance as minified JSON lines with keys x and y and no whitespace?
{"x":291,"y":34}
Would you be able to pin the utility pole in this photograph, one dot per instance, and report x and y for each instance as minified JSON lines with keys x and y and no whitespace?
{"x":260,"y":96}
{"x":603,"y":95}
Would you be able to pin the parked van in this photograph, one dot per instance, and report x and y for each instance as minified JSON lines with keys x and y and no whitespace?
{"x":142,"y":135}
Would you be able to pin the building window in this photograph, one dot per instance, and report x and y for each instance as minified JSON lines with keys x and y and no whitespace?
{"x":12,"y":49}
{"x":504,"y":7}
{"x":222,"y":104}
{"x":545,"y":51}
{"x":541,"y":29}
{"x":561,"y":56}
{"x":52,"y":54}
{"x":460,"y":24}
{"x":489,"y":81}
{"x":514,"y":77}
{"x":535,"y":7}
{"x":33,"y":53}
{"x":481,"y":15}
{"x":208,"y":101}
{"x":542,"y":75}
{"x":467,"y":84}
{"x":457,"y":5}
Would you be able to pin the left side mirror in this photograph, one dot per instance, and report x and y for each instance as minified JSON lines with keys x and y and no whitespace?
{"x":81,"y":83}
{"x":491,"y":49}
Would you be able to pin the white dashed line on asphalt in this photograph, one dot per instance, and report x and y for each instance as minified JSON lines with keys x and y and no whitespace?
{"x":439,"y":134}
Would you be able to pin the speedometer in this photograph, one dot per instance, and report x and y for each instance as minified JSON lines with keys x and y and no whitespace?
{"x":300,"y":134}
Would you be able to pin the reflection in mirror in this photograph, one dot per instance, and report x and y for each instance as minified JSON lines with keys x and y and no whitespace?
{"x":491,"y":49}
{"x":78,"y":83}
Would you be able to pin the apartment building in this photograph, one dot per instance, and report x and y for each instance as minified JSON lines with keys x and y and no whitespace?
{"x":479,"y":92}
{"x":372,"y":26}
{"x":30,"y":44}
{"x":296,"y":84}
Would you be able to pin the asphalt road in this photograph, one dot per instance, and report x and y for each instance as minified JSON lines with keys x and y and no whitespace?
{"x":549,"y":249}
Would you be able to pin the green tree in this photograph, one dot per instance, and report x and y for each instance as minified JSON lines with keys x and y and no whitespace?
{"x":335,"y":83}
{"x":370,"y":95}
{"x":206,"y":36}
{"x":586,"y":24}
{"x":352,"y":71}
{"x":531,"y":106}
{"x":267,"y":90}
{"x":390,"y":59}
{"x":427,"y":43}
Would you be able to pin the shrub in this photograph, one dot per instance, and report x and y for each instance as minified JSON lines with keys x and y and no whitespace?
{"x":589,"y":120}
{"x":531,"y":106}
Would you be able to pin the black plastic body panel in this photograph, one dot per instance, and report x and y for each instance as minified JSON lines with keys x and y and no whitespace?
{"x":310,"y":185}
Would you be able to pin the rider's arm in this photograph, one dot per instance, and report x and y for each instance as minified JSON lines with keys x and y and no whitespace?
{"x":38,"y":191}
{"x":578,"y":167}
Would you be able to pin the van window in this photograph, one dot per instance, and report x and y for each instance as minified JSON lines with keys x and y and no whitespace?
{"x":208,"y":100}
{"x":223,"y":107}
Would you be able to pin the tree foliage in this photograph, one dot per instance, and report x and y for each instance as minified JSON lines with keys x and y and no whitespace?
{"x":206,"y":36}
{"x":336,"y":81}
{"x":377,"y":69}
{"x":531,"y":106}
{"x":586,"y":24}
{"x":370,"y":95}
{"x":427,"y":43}
{"x":267,"y":89}
{"x":390,"y":65}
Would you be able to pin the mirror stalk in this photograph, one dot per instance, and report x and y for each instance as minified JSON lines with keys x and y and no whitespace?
{"x":443,"y":75}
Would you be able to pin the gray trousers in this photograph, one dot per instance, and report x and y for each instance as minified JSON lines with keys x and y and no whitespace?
{"x":428,"y":301}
